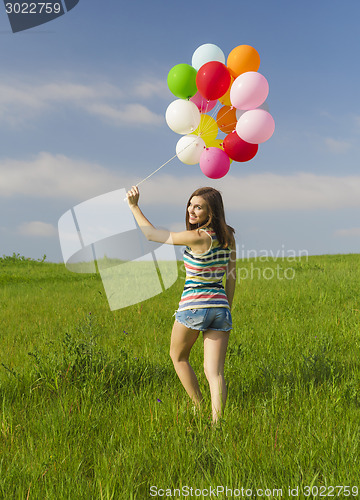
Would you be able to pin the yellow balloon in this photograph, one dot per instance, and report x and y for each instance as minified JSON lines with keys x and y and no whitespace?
{"x":208,"y":129}
{"x":216,"y":143}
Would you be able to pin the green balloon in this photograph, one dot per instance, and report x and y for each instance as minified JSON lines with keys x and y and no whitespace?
{"x":181,"y":81}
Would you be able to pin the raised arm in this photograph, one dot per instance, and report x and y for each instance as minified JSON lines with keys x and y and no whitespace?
{"x":193,"y":239}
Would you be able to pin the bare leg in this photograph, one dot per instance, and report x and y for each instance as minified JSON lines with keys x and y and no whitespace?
{"x":182,"y":340}
{"x":215,"y":345}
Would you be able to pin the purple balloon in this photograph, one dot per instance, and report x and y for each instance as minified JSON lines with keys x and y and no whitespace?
{"x":214,"y":163}
{"x":203,"y":104}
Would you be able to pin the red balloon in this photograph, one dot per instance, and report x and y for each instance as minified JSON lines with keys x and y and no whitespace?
{"x":237,"y":149}
{"x":213,"y":80}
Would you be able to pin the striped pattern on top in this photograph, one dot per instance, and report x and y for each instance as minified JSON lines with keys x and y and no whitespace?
{"x":204,"y":275}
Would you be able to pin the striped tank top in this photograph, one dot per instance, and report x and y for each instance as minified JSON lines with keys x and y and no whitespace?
{"x":204,"y":274}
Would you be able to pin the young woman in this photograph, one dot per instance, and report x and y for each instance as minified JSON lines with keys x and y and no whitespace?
{"x":205,"y":304}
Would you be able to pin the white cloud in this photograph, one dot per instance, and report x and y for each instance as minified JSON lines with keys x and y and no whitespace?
{"x":58,"y":177}
{"x":350,"y":232}
{"x":257,"y":192}
{"x":302,"y":191}
{"x":150,"y":88}
{"x":37,"y":228}
{"x":131,"y":114}
{"x":17,"y":98}
{"x":74,"y":92}
{"x":336,"y":146}
{"x":22,"y":101}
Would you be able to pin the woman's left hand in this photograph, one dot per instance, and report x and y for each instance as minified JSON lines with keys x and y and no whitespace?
{"x":133,"y":196}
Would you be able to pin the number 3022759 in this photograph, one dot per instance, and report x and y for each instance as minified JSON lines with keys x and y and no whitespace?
{"x":33,"y":8}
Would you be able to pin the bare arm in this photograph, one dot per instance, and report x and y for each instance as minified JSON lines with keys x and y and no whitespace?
{"x":193,"y":239}
{"x":231,"y":275}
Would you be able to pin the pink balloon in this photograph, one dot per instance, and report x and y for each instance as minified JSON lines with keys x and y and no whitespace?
{"x":203,"y":104}
{"x":255,"y":126}
{"x":249,"y":90}
{"x":214,"y":163}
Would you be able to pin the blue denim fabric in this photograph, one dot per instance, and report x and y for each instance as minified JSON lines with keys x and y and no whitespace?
{"x":211,"y":318}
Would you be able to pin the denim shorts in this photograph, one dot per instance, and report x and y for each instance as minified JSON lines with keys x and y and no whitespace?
{"x":210,"y":318}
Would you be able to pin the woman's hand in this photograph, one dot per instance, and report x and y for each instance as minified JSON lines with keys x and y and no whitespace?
{"x":133,"y":196}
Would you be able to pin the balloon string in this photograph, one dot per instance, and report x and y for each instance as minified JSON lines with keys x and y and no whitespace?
{"x":228,"y":111}
{"x":203,"y":130}
{"x":163,"y":165}
{"x":215,"y":110}
{"x":213,"y":115}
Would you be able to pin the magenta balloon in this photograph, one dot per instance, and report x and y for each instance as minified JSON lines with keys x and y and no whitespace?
{"x":255,"y":126}
{"x":249,"y":90}
{"x":203,"y":104}
{"x":214,"y":163}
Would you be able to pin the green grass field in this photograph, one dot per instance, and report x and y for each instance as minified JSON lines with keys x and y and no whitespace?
{"x":91,"y":407}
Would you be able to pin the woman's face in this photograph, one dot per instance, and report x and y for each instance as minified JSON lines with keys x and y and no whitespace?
{"x":198,"y":211}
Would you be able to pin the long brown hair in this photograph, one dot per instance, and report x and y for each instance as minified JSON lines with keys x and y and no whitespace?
{"x":216,"y":219}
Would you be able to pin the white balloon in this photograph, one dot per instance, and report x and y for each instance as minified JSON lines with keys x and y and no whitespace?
{"x":206,"y":53}
{"x":182,"y":116}
{"x":189,"y":149}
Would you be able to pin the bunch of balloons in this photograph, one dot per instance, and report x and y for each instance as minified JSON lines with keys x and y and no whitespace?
{"x":201,"y":88}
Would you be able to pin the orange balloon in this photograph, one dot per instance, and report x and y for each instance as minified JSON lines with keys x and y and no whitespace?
{"x":241,"y":59}
{"x":226,"y":119}
{"x":225,"y":99}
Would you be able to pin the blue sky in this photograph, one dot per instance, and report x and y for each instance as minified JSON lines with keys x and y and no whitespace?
{"x":82,"y":105}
